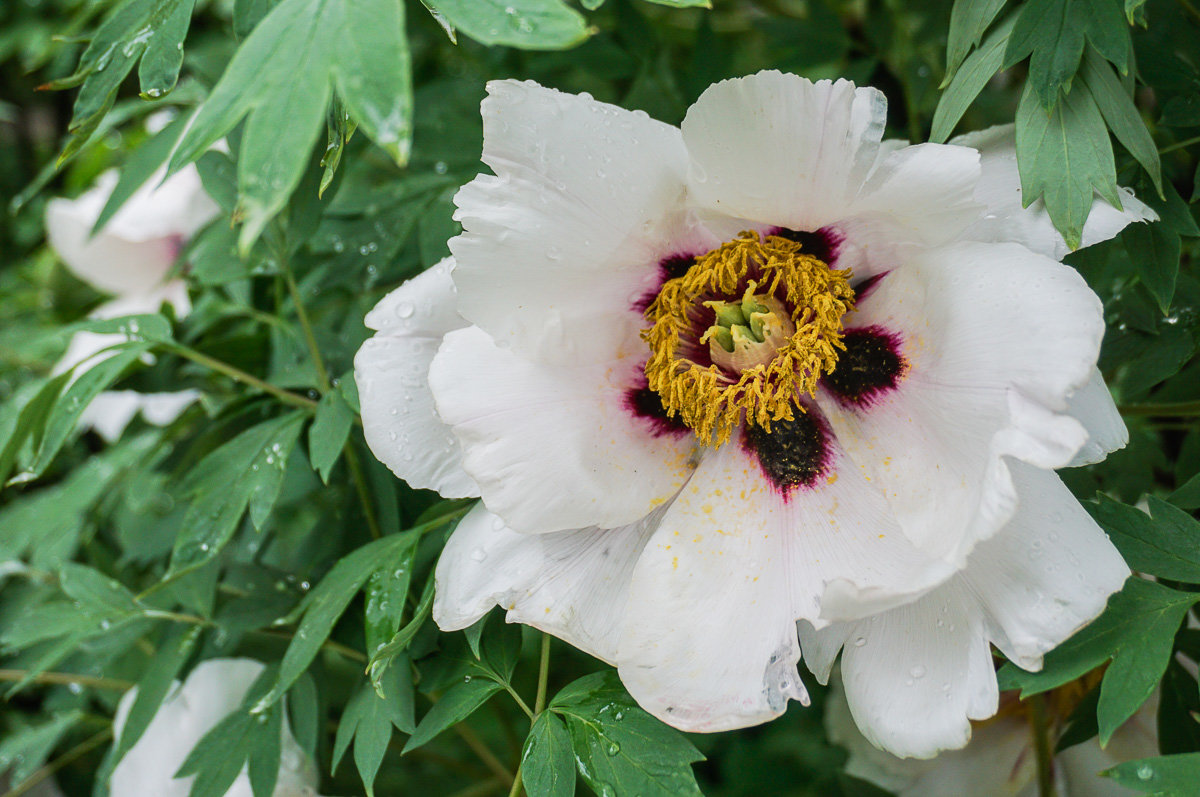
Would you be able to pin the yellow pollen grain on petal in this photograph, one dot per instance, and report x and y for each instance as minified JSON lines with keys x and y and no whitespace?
{"x":710,"y":400}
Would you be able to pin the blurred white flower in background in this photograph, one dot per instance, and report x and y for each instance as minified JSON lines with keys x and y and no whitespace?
{"x":130,"y":258}
{"x":1000,"y":761}
{"x":763,"y":370}
{"x":213,"y":690}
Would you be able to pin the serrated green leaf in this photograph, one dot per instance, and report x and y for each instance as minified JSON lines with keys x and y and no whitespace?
{"x":369,"y":719}
{"x":1165,"y":545}
{"x":527,"y":24}
{"x":1168,"y":776}
{"x":246,"y":472}
{"x":547,"y":761}
{"x":329,"y":599}
{"x":1136,"y":631}
{"x":282,"y":78}
{"x":1154,"y":250}
{"x":1121,"y":114}
{"x":619,"y":748}
{"x":969,"y":19}
{"x":1053,"y":32}
{"x":329,"y":431}
{"x":1065,"y":157}
{"x":136,"y":30}
{"x":459,"y":702}
{"x":976,"y":71}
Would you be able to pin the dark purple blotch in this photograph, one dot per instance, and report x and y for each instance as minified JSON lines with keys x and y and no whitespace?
{"x":870,"y":367}
{"x":794,"y":454}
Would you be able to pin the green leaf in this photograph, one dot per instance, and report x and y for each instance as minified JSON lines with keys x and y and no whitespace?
{"x":369,"y":719}
{"x":382,"y":658}
{"x":239,"y":738}
{"x":246,"y":472}
{"x":1154,"y":248}
{"x":1167,"y":545}
{"x":29,"y":747}
{"x":619,"y":748}
{"x":373,"y":75}
{"x":99,"y":593}
{"x":1065,"y":157}
{"x":1053,"y":31}
{"x":969,"y":19}
{"x":153,"y":686}
{"x":150,"y":30}
{"x":218,"y":174}
{"x":459,"y":702}
{"x":1121,"y":114}
{"x":527,"y":24}
{"x":31,"y":420}
{"x":282,"y":78}
{"x":386,"y":592}
{"x":1169,"y":775}
{"x":140,"y":166}
{"x":329,"y":431}
{"x":547,"y":761}
{"x":328,"y":600}
{"x":976,"y":71}
{"x":1188,"y":494}
{"x":1136,"y":631}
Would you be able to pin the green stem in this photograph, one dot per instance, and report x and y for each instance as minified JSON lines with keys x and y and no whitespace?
{"x":1175,"y":409}
{"x":539,"y":702}
{"x":1179,"y":145}
{"x":360,"y":486}
{"x":66,"y":679}
{"x":78,"y":751}
{"x":306,"y":327}
{"x":1041,"y":745}
{"x":238,"y":375}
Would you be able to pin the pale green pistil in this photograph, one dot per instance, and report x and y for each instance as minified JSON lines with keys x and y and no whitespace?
{"x":747,"y":332}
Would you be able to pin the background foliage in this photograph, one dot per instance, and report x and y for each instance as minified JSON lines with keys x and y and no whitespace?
{"x":258,"y":523}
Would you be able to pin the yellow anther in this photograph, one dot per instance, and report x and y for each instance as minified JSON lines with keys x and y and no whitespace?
{"x":776,"y":365}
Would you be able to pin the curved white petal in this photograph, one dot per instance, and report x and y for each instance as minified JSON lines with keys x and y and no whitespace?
{"x":1093,"y":406}
{"x":572,"y":584}
{"x":995,"y":340}
{"x":710,"y":642}
{"x":1042,"y":577}
{"x":554,"y":447}
{"x":400,"y":421}
{"x":779,"y":149}
{"x":999,"y":761}
{"x":560,"y":244}
{"x":1006,"y":220}
{"x":136,"y":249}
{"x":211,"y":692}
{"x":111,"y":411}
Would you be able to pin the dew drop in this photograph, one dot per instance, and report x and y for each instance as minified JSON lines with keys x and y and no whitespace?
{"x":858,"y":643}
{"x":478,"y":555}
{"x":917,"y":672}
{"x":404,"y":310}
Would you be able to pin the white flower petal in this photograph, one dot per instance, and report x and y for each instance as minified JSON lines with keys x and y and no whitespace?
{"x":212,"y":691}
{"x":999,"y":761}
{"x":1042,"y":577}
{"x":710,"y":642}
{"x":400,"y":422}
{"x":136,"y":249}
{"x":558,"y":246}
{"x":572,"y":584}
{"x":554,"y":447}
{"x":111,"y":411}
{"x":775,"y":148}
{"x":996,"y":338}
{"x":1093,"y":406}
{"x":1048,"y":573}
{"x":1006,"y":220}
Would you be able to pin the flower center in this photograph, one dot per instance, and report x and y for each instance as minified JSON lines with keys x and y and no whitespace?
{"x":747,"y":331}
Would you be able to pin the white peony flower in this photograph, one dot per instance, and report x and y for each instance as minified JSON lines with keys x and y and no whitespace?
{"x":130,"y":258}
{"x":1001,"y":760}
{"x":212,"y":691}
{"x":763,"y":369}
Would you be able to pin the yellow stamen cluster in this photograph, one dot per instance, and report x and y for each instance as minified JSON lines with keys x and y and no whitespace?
{"x":708,"y":399}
